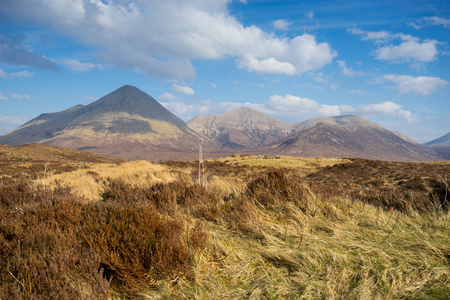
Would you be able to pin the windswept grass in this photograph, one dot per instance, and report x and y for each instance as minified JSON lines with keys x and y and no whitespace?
{"x":254,"y":231}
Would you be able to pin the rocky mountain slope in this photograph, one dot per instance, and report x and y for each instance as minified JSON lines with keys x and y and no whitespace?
{"x":240,"y":128}
{"x":126,"y":123}
{"x":369,"y":141}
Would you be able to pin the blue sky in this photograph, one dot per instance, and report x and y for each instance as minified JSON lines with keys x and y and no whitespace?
{"x":293,"y":60}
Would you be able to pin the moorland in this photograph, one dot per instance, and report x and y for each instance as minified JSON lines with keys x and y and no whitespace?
{"x":75,"y":225}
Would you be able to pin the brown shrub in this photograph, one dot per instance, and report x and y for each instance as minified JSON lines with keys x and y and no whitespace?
{"x":275,"y":188}
{"x":54,"y":247}
{"x":40,"y":257}
{"x":391,"y":185}
{"x":137,"y":245}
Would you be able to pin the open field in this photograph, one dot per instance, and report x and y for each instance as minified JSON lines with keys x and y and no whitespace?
{"x":250,"y":228}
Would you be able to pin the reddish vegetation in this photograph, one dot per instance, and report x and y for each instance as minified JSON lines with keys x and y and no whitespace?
{"x":53,"y":245}
{"x":403,"y":186}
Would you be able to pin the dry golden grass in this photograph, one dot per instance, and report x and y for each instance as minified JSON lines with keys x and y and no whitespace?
{"x":264,"y":231}
{"x":90,"y":182}
{"x":304,"y":166}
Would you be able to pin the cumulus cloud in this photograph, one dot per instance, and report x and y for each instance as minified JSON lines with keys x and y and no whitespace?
{"x":12,"y":51}
{"x":183,"y":89}
{"x":168,"y":97}
{"x":281,"y":24}
{"x":270,"y":65}
{"x":389,"y":108}
{"x":162,"y":38}
{"x":348,"y":71}
{"x":421,"y":85}
{"x":77,"y":66}
{"x":299,"y":105}
{"x":410,"y":48}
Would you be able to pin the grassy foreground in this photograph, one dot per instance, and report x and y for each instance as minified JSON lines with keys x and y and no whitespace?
{"x":250,"y":228}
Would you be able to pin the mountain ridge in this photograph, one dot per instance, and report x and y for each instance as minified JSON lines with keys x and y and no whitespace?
{"x":126,"y":123}
{"x":130,"y":124}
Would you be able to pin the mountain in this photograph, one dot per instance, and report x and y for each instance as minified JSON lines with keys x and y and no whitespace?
{"x":130,"y":124}
{"x":364,"y":140}
{"x":338,"y":120}
{"x":246,"y":130}
{"x":441,"y":146}
{"x":442,"y":141}
{"x":126,"y":123}
{"x":240,"y":128}
{"x":404,"y":136}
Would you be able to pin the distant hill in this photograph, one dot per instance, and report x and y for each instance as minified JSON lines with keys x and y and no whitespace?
{"x":441,"y":146}
{"x":126,"y":123}
{"x":369,"y":141}
{"x":240,"y":128}
{"x":246,"y":130}
{"x":442,"y":141}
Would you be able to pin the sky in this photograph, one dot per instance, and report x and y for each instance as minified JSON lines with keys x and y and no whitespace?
{"x":387,"y":61}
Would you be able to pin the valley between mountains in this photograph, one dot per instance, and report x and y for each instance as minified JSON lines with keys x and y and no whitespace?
{"x":130,"y":124}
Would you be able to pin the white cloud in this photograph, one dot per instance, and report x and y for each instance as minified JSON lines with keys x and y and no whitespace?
{"x":377,"y":36}
{"x":438,"y":21}
{"x":3,"y":97}
{"x":281,"y":24}
{"x":183,"y":90}
{"x":297,"y":105}
{"x":421,"y":85}
{"x":163,"y":37}
{"x":410,"y":48}
{"x":23,"y":74}
{"x":270,"y":65}
{"x":213,"y":85}
{"x":19,"y":96}
{"x":168,"y":97}
{"x":431,"y":21}
{"x":348,"y":71}
{"x":407,"y":50}
{"x":77,"y":66}
{"x":389,"y":108}
{"x":178,"y":108}
{"x":383,"y":108}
